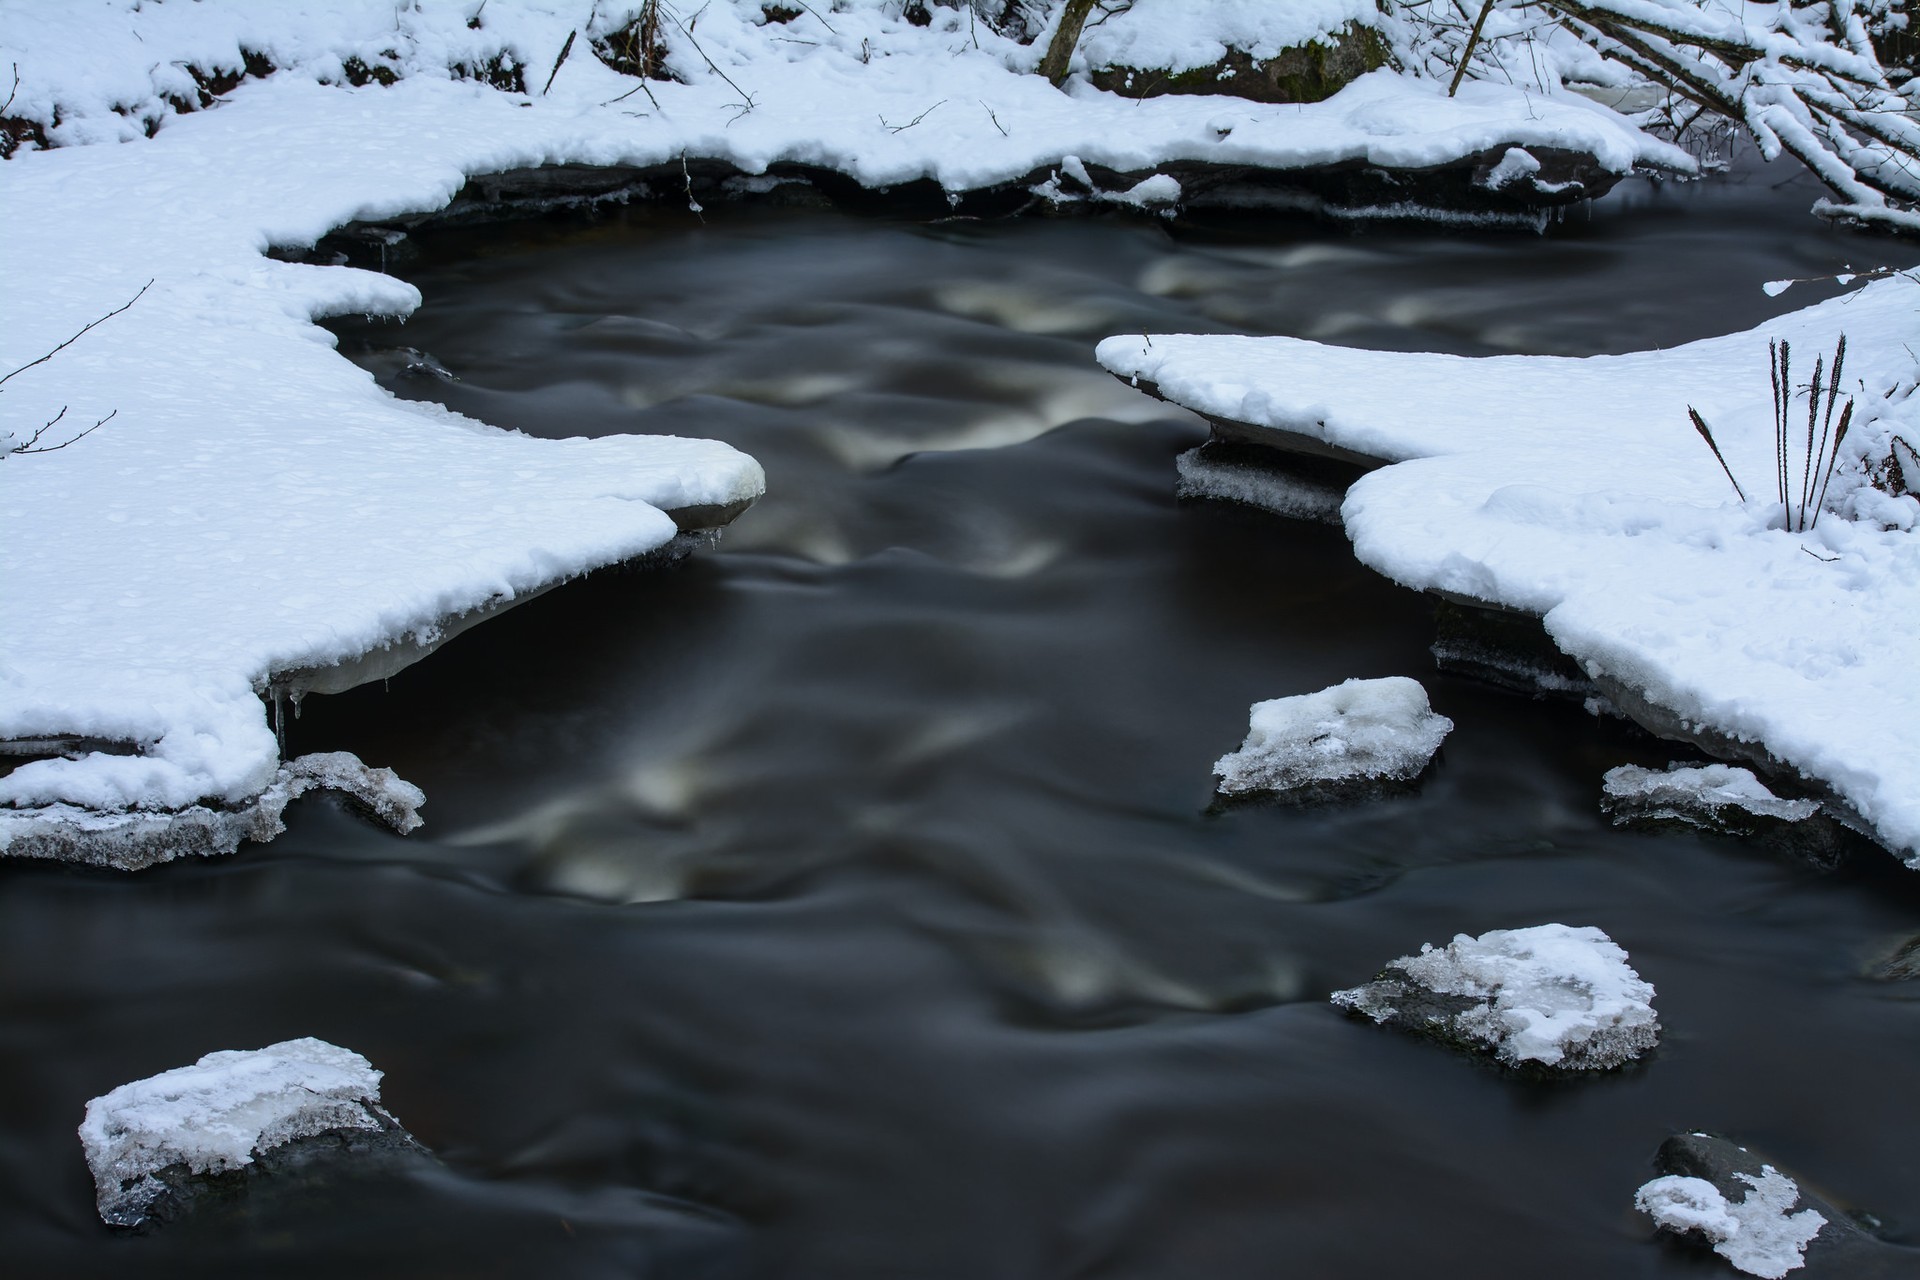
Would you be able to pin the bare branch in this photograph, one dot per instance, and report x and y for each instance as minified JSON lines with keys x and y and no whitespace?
{"x":76,"y":337}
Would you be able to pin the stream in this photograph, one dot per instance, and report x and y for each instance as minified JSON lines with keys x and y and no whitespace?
{"x":847,"y":900}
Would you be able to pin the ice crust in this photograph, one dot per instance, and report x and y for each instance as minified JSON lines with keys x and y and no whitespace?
{"x":1552,"y":995}
{"x":218,"y":1114}
{"x":1759,"y":1234}
{"x":1355,"y":732}
{"x":1295,"y":498}
{"x":1577,"y":490}
{"x":130,"y":840}
{"x":1700,"y":794}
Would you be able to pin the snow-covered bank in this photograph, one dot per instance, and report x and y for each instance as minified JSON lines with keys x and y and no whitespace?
{"x":254,"y":505}
{"x":1577,"y":489}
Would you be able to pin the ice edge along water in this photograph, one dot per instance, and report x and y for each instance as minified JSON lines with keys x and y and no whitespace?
{"x":257,"y":505}
{"x":1578,"y":491}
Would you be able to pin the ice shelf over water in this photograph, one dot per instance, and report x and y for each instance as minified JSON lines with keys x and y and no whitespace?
{"x":219,"y":1113}
{"x":1356,"y":733}
{"x":1758,"y":1234}
{"x":1578,"y":490}
{"x":1550,"y":995}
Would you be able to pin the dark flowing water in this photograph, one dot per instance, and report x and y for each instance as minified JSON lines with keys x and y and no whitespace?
{"x":845,"y":903}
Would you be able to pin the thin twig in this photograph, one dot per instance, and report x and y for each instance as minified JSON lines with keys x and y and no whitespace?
{"x":76,"y":337}
{"x":34,"y":439}
{"x":996,"y":119}
{"x":902,"y":128}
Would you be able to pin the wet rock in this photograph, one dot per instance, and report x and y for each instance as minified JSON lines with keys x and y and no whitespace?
{"x":194,"y":1137}
{"x":1550,"y":997}
{"x":1310,"y":72}
{"x":1355,"y":740}
{"x":1722,"y":1196}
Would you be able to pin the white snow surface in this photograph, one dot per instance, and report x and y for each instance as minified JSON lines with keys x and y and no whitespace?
{"x":1577,"y":489}
{"x":257,"y":503}
{"x":1702,"y":790}
{"x":1179,"y":35}
{"x":1359,"y":729}
{"x":219,"y":1113}
{"x":1552,"y":994}
{"x":1758,"y":1233}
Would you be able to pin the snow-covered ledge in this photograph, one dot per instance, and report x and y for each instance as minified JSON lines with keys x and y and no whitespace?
{"x":256,"y":510}
{"x":1579,"y":491}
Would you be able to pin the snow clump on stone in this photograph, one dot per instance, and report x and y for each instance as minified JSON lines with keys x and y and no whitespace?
{"x":1356,"y":733}
{"x":1552,"y":995}
{"x":219,"y":1113}
{"x":1757,"y":1234}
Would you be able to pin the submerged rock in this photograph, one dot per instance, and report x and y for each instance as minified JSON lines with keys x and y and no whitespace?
{"x":159,"y":1147}
{"x":1358,"y":738}
{"x":1550,"y":996}
{"x":1756,"y":1217}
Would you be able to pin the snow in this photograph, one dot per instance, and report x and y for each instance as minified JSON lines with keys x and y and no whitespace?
{"x":257,"y":504}
{"x":1357,"y":731}
{"x":1558,"y":996}
{"x":219,"y":1113}
{"x":1577,"y":490}
{"x":1179,"y":35}
{"x":1757,"y":1234}
{"x":1697,"y":793}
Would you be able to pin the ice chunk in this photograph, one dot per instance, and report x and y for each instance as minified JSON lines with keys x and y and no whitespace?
{"x":219,"y":1113}
{"x":1758,"y":1234}
{"x":1206,"y":472}
{"x":1356,"y":733}
{"x":1555,"y":995}
{"x":1700,"y":795}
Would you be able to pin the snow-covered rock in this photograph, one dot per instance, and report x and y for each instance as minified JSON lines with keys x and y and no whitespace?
{"x":1551,"y":995}
{"x":1578,"y":491}
{"x":146,"y":1138}
{"x":1756,"y":1233}
{"x":1359,"y":734}
{"x":1756,"y":1216}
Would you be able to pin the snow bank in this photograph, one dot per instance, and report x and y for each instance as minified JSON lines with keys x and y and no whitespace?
{"x":1557,"y":996}
{"x":1757,"y":1234}
{"x":1577,"y":489}
{"x":255,"y":504}
{"x":1359,"y":731}
{"x":218,"y":1114}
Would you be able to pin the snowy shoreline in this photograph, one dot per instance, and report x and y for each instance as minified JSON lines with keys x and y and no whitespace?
{"x":254,"y":505}
{"x":1577,"y":491}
